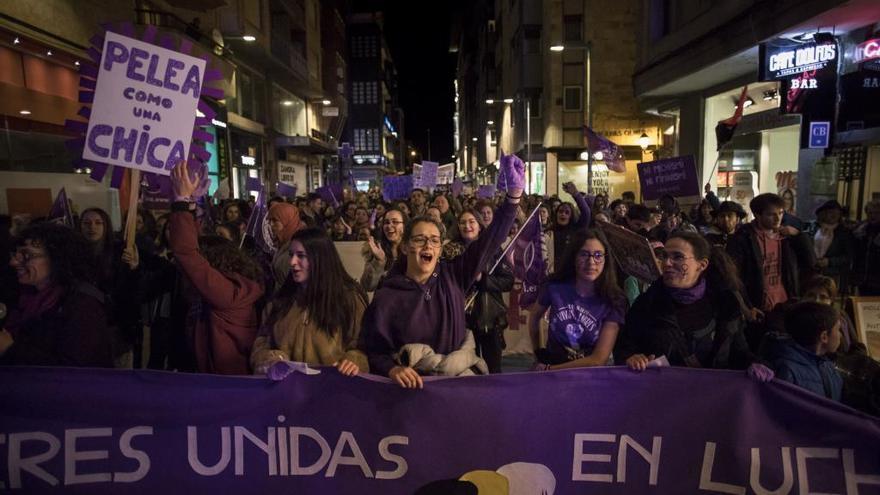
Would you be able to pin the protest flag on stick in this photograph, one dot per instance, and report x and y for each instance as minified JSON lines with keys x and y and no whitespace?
{"x":60,"y":212}
{"x":725,"y":128}
{"x":611,"y":153}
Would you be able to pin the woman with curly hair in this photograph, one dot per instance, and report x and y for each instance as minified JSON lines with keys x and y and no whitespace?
{"x":222,"y":318}
{"x":59,"y":319}
{"x":315,"y":317}
{"x":380,"y":255}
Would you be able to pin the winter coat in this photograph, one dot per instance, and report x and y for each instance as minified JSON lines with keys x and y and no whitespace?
{"x":74,"y":332}
{"x":796,"y":262}
{"x":489,"y":311}
{"x":840,"y":255}
{"x":797,"y":365}
{"x":224,"y":319}
{"x":295,"y":338}
{"x":652,"y":328}
{"x":406,"y":312}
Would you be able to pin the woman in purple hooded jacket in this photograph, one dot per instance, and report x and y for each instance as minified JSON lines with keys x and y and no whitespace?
{"x":422,"y":299}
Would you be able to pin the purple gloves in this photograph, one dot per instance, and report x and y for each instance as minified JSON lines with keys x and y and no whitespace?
{"x":760,"y":373}
{"x":512,"y":174}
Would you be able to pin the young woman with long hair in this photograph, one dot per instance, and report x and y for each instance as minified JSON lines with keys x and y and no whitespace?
{"x":419,"y":306}
{"x":565,"y":224}
{"x":315,"y":317}
{"x":694,"y":314}
{"x":586,"y":307}
{"x":380,"y":255}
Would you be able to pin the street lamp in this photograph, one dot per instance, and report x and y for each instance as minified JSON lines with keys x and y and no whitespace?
{"x":587,"y":47}
{"x":644,"y":141}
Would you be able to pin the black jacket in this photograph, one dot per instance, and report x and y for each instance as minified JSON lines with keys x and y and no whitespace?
{"x":489,"y":311}
{"x":796,"y":262}
{"x":652,"y":328}
{"x":72,"y":333}
{"x":840,"y":254}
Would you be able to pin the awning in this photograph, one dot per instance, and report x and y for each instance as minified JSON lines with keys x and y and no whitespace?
{"x":306,"y":144}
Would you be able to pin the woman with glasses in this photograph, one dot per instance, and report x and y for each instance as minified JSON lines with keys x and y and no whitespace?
{"x":416,"y":321}
{"x":693,"y":314}
{"x":59,"y":319}
{"x":380,"y":255}
{"x":586,"y":307}
{"x":315,"y":317}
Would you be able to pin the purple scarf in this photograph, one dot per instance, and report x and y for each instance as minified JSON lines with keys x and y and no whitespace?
{"x":690,"y":295}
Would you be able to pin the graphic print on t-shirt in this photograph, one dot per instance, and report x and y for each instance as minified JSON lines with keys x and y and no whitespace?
{"x":574,"y":321}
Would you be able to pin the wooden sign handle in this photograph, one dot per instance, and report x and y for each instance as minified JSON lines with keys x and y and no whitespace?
{"x":131,"y":217}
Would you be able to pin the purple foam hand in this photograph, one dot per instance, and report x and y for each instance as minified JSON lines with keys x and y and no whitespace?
{"x":512,"y":174}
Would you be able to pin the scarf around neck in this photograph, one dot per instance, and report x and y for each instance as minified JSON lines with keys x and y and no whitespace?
{"x":689,"y":295}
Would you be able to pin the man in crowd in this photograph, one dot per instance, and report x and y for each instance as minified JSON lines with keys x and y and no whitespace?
{"x":772,"y":259}
{"x":728,"y":218}
{"x":417,"y":202}
{"x":867,"y":272}
{"x":311,"y":210}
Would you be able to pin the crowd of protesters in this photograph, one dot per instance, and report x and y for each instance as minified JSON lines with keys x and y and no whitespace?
{"x":195,"y":293}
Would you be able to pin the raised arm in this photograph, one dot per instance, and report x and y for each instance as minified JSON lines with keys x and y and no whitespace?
{"x":476,"y":256}
{"x":586,"y":213}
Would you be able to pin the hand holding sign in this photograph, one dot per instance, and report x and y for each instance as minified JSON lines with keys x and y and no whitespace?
{"x":512,"y":174}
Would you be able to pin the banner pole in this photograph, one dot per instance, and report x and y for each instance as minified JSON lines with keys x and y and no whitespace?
{"x":131,"y":217}
{"x":515,"y":237}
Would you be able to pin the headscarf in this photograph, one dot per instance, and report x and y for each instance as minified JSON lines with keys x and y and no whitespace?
{"x":288,"y":215}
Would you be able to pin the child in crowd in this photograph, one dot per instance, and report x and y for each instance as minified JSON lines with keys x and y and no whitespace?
{"x":803,"y":357}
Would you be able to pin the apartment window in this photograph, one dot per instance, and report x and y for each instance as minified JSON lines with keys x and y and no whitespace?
{"x":366,"y":139}
{"x":572,"y":27}
{"x":365,"y":92}
{"x":571,"y":99}
{"x":535,"y":106}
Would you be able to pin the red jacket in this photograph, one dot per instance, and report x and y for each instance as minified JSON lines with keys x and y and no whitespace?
{"x":225,"y":331}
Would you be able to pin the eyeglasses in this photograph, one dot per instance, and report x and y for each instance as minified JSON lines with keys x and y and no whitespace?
{"x":597,"y":256}
{"x":420,"y":241}
{"x":392,"y":222}
{"x":26,"y":256}
{"x":674,"y":257}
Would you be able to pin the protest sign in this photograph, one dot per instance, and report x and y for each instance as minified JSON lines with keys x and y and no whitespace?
{"x":867,"y":320}
{"x":603,"y":430}
{"x":457,"y":186}
{"x":486,"y":191}
{"x":676,"y":177}
{"x":632,"y":252}
{"x":446,"y":173}
{"x":60,"y":213}
{"x":144,"y":105}
{"x":396,"y":187}
{"x":428,"y":175}
{"x":156,"y":194}
{"x":331,"y":194}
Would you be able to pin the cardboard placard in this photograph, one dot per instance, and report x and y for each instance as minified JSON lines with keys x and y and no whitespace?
{"x":144,"y":105}
{"x":674,"y":176}
{"x":632,"y":251}
{"x":867,"y":320}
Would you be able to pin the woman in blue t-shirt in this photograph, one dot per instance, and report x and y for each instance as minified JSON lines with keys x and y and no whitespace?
{"x":586,"y":307}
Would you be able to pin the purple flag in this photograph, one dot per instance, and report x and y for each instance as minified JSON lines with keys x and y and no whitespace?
{"x":285,"y":190}
{"x":331,"y":194}
{"x":527,"y":259}
{"x":253,"y":184}
{"x":60,"y":212}
{"x":611,"y":153}
{"x":258,"y":225}
{"x":457,"y":186}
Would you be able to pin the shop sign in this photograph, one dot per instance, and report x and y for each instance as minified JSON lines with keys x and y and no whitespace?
{"x":144,"y":105}
{"x":783,"y":58}
{"x":248,"y":161}
{"x":869,"y":50}
{"x":820,"y":132}
{"x":330,"y":111}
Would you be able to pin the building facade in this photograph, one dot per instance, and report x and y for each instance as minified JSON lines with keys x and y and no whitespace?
{"x":524,"y":88}
{"x":375,"y":125}
{"x":695,"y":57}
{"x":269,"y":124}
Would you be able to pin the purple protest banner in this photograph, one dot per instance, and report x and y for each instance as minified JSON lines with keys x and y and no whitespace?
{"x":253,"y":184}
{"x":676,"y":177}
{"x":486,"y":191}
{"x":60,"y":212}
{"x":602,"y":430}
{"x":388,"y":184}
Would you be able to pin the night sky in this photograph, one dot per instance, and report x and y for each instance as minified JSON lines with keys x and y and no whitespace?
{"x":418,"y":35}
